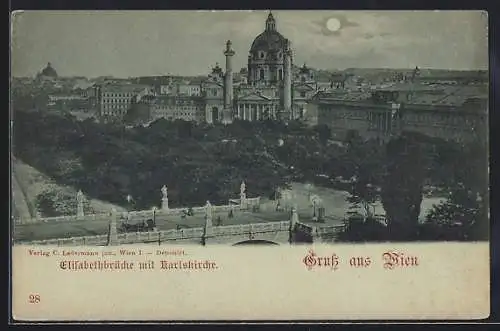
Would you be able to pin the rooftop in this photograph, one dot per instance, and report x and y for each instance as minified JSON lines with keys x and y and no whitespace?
{"x":111,"y":87}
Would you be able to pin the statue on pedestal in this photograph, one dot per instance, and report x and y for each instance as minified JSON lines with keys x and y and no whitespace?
{"x":164,"y":199}
{"x":243,"y":189}
{"x":243,"y":195}
{"x":294,"y":219}
{"x":208,"y":211}
{"x":79,"y":203}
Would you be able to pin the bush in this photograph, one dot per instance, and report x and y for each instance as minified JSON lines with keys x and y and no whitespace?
{"x":52,"y":203}
{"x":357,"y":230}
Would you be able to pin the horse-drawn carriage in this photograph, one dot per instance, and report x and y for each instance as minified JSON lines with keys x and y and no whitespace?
{"x":128,"y":225}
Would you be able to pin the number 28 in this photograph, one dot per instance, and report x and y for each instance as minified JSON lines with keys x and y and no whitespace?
{"x":34,"y":298}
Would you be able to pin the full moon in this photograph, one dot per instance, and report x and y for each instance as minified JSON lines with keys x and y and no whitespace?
{"x":333,"y":24}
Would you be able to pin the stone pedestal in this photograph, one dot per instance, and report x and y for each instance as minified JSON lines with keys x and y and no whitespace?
{"x":208,"y":230}
{"x":113,"y":232}
{"x":79,"y":210}
{"x":243,"y":201}
{"x":79,"y":205}
{"x":164,"y":204}
{"x":294,"y":219}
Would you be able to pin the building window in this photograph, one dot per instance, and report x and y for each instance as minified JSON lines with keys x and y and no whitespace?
{"x":280,"y":73}
{"x":261,"y":55}
{"x":303,"y":94}
{"x":261,"y":71}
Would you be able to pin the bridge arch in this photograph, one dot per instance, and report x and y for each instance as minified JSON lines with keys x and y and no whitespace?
{"x":258,"y":242}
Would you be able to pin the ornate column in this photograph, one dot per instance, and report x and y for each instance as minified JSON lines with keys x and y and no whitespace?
{"x":287,"y":78}
{"x":113,"y":232}
{"x":79,"y":204}
{"x":164,"y":199}
{"x":228,"y":84}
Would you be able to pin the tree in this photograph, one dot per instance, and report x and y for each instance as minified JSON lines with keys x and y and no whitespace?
{"x":353,"y":137}
{"x":466,"y":207}
{"x":402,"y":188}
{"x":363,"y":194}
{"x":465,"y":210}
{"x":56,"y":202}
{"x":324,"y":133}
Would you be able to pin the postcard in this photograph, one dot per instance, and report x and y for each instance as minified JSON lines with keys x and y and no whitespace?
{"x":249,"y":165}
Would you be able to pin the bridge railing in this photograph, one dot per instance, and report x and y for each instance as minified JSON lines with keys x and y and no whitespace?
{"x":71,"y":218}
{"x":137,"y":214}
{"x":305,"y":228}
{"x":254,"y":228}
{"x":166,"y":235}
{"x":74,"y":241}
{"x":328,"y":230}
{"x":189,"y":233}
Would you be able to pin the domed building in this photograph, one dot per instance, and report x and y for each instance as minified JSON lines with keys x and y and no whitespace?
{"x":266,"y":56}
{"x":48,"y":72}
{"x":268,"y":92}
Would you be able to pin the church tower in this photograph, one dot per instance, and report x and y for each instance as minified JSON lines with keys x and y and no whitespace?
{"x":228,"y":85}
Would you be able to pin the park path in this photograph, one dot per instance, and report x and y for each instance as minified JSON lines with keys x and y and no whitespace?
{"x":335,"y":201}
{"x":19,"y":202}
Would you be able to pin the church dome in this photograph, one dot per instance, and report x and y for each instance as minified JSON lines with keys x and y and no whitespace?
{"x":270,"y":40}
{"x":49,"y":71}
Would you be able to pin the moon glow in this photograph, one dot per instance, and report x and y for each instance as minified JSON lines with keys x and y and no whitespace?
{"x":333,"y":24}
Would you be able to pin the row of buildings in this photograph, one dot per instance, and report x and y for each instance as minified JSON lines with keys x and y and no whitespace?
{"x":449,"y":106}
{"x":450,"y":112}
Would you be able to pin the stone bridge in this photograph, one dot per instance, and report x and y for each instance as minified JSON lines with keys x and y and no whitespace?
{"x":271,"y":233}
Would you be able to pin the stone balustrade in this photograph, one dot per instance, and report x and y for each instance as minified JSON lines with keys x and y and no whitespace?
{"x":305,"y":228}
{"x":139,"y":214}
{"x":165,"y":211}
{"x":166,"y":235}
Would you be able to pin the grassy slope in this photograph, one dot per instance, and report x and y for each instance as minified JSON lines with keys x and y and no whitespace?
{"x":32,"y":182}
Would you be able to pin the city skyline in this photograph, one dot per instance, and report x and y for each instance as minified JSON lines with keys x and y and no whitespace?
{"x":131,"y":43}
